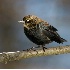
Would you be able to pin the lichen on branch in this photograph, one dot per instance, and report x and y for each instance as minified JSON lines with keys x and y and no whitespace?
{"x":12,"y":56}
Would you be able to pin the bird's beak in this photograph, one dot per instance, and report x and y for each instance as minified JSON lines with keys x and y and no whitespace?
{"x":21,"y":21}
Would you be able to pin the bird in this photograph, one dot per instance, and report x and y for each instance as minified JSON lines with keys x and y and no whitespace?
{"x":39,"y":31}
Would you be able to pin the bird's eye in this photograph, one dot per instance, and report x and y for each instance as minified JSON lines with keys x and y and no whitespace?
{"x":28,"y":21}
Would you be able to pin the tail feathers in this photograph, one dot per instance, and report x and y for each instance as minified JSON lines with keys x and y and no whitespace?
{"x":63,"y":40}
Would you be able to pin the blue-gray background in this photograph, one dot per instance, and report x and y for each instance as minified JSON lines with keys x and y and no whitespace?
{"x":12,"y":37}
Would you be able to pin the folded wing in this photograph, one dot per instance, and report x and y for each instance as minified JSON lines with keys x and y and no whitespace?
{"x":51,"y":33}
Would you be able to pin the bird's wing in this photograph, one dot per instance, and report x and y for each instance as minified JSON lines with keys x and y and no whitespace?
{"x":51,"y":33}
{"x":52,"y":28}
{"x":46,"y":25}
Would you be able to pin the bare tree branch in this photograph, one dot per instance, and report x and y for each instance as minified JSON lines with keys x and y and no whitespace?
{"x":12,"y":56}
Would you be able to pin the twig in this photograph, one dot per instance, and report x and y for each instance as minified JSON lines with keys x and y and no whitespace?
{"x":12,"y":56}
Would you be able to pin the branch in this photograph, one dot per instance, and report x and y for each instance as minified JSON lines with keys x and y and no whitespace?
{"x":12,"y":56}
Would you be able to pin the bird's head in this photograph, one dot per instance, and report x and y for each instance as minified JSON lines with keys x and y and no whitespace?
{"x":30,"y":21}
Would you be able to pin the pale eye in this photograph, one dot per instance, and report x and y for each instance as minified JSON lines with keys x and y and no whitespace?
{"x":28,"y":21}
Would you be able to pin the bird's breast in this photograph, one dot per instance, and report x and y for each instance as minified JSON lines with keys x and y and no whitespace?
{"x":36,"y":36}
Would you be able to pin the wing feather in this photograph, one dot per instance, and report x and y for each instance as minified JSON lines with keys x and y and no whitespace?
{"x":51,"y":33}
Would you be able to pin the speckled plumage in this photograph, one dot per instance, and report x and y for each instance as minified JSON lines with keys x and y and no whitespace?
{"x":39,"y":31}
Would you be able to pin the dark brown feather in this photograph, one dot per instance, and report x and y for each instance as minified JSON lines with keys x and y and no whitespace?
{"x":40,"y":32}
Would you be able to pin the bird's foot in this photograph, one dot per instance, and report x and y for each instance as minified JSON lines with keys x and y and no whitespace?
{"x":33,"y":48}
{"x":42,"y":47}
{"x":38,"y":47}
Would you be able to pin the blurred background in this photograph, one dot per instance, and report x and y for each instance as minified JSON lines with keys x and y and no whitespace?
{"x":12,"y":37}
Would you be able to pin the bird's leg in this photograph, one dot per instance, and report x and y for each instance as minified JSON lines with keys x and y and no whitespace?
{"x":39,"y":46}
{"x":42,"y":46}
{"x":33,"y":48}
{"x":30,"y":49}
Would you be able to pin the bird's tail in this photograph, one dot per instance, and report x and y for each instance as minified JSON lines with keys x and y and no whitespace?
{"x":63,"y":40}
